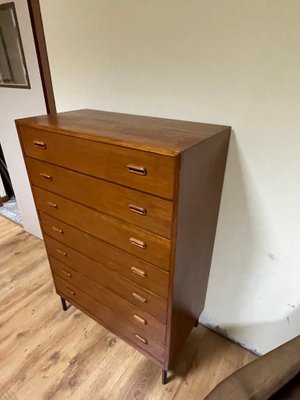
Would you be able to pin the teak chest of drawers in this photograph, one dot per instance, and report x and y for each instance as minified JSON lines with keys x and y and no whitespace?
{"x":128,"y":207}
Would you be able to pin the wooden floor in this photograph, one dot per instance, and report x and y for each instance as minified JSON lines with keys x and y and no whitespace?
{"x":48,"y":354}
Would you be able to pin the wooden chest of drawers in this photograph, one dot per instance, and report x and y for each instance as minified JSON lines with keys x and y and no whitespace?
{"x":128,"y":207}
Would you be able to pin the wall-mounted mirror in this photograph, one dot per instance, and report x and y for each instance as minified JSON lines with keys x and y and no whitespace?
{"x":13,"y":70}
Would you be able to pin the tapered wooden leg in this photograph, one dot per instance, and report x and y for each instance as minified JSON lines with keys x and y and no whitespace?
{"x":196,"y":323}
{"x":164,"y":376}
{"x":64,"y":304}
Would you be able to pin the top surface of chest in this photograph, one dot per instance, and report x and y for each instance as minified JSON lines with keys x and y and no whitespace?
{"x":157,"y":135}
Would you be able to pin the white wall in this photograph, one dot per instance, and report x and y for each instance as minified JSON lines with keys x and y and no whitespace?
{"x":229,"y":62}
{"x":18,"y":103}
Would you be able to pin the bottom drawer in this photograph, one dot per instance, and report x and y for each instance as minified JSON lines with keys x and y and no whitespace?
{"x":109,"y":319}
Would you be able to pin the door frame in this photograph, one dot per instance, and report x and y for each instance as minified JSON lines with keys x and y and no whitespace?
{"x":42,"y":55}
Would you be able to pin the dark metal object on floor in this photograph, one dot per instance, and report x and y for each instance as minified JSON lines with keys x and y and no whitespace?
{"x":64,"y":304}
{"x":164,"y":376}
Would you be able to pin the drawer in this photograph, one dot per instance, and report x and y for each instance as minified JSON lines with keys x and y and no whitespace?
{"x":107,"y":317}
{"x":133,"y":268}
{"x":149,"y":212}
{"x":137,"y":241}
{"x":136,"y":295}
{"x":149,"y":172}
{"x":133,"y":315}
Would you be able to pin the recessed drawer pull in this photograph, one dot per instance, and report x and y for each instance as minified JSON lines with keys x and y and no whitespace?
{"x":140,"y":319}
{"x":138,"y":271}
{"x":69,"y":275}
{"x":139,"y":298}
{"x":45,"y":176}
{"x":57,"y":229}
{"x":145,"y":341}
{"x":138,"y":210}
{"x":135,"y":169}
{"x":71,"y":291}
{"x":39,"y":145}
{"x":53,"y":205}
{"x":138,"y":243}
{"x":63,"y":253}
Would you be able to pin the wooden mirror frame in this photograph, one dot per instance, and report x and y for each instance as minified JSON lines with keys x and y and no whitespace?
{"x":41,"y":51}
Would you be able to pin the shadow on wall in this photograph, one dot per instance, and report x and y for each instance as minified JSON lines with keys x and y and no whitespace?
{"x":232,"y":259}
{"x":235,"y":250}
{"x":277,"y":328}
{"x":243,"y":281}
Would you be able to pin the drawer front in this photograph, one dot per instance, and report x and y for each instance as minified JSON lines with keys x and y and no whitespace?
{"x":136,"y":295}
{"x":147,"y":324}
{"x":146,"y":211}
{"x":133,"y":268}
{"x":128,"y":237}
{"x":107,"y":317}
{"x":149,"y":172}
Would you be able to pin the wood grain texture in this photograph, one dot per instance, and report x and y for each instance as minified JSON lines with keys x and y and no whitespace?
{"x":134,"y":131}
{"x":100,"y":273}
{"x":106,"y":197}
{"x":115,"y":259}
{"x":201,"y":180}
{"x":141,"y":337}
{"x":104,"y":227}
{"x":48,"y":354}
{"x":113,"y":288}
{"x":175,"y":160}
{"x":102,"y":160}
{"x":42,"y":55}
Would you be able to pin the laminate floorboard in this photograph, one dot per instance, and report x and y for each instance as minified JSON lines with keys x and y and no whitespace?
{"x":48,"y":354}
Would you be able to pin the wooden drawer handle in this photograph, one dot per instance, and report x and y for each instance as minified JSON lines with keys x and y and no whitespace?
{"x":63,"y":253}
{"x":135,"y":169}
{"x":145,"y":341}
{"x":138,"y":271}
{"x":139,"y":298}
{"x":138,"y":210}
{"x":140,"y":319}
{"x":40,"y":145}
{"x":138,"y":243}
{"x":69,"y":275}
{"x":45,"y":176}
{"x":71,"y":291}
{"x":53,"y":205}
{"x":55,"y":229}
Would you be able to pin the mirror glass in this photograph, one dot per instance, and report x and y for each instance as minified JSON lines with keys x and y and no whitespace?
{"x":13,"y":71}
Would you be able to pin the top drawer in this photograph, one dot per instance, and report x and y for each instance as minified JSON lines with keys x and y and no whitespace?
{"x":149,"y":172}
